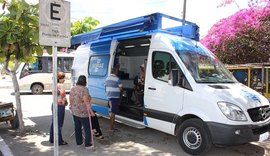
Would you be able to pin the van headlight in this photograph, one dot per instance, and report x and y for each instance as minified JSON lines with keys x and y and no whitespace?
{"x":232,"y":111}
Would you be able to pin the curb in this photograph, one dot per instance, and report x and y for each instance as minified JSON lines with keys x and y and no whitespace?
{"x":4,"y":148}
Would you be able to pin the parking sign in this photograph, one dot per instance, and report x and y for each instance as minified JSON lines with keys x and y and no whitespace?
{"x":54,"y":23}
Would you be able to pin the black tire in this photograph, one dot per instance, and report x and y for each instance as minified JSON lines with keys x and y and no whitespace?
{"x":193,"y":136}
{"x":15,"y":122}
{"x":37,"y":89}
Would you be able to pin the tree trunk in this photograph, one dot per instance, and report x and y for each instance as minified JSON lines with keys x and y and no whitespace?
{"x":18,"y":99}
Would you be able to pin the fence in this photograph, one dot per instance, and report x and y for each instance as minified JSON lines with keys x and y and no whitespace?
{"x":254,"y":75}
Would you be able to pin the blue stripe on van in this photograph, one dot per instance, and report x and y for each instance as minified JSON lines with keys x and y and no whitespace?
{"x":101,"y":109}
{"x":101,"y":47}
{"x":97,"y":88}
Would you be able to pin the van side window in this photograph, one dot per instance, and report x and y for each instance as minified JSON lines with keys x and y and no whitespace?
{"x":98,"y":65}
{"x":63,"y":64}
{"x":50,"y":65}
{"x":36,"y":66}
{"x":162,"y":64}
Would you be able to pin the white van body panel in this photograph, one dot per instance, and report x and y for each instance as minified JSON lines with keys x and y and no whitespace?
{"x":160,"y":125}
{"x":201,"y":102}
{"x":80,"y":63}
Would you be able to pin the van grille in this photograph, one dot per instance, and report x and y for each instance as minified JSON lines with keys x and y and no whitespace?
{"x":259,"y":113}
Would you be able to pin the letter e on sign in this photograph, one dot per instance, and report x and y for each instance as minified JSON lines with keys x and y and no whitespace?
{"x":54,"y":23}
{"x":54,"y":11}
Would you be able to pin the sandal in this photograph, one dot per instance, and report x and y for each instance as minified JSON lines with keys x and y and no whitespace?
{"x":90,"y":147}
{"x":100,"y":137}
{"x":63,"y":143}
{"x":96,"y":134}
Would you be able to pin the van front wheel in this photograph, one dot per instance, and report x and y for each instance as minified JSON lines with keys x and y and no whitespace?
{"x":193,"y":137}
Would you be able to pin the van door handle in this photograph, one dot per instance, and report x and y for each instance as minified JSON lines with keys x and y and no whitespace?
{"x":151,"y":88}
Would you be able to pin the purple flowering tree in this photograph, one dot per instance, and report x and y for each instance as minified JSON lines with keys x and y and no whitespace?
{"x":243,"y":37}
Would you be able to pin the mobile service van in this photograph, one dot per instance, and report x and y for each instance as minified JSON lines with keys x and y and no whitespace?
{"x":187,"y":92}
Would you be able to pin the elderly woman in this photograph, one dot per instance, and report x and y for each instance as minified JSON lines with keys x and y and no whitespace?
{"x":80,"y":106}
{"x":61,"y":104}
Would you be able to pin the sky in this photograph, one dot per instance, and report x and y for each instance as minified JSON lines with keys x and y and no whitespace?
{"x":202,"y":12}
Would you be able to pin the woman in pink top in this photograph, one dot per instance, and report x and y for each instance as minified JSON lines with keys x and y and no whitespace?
{"x":61,"y":102}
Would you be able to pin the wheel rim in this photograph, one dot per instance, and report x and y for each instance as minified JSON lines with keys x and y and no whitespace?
{"x":37,"y":89}
{"x":192,"y":138}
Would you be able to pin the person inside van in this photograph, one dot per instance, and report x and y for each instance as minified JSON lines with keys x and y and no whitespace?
{"x":139,"y":86}
{"x":121,"y":74}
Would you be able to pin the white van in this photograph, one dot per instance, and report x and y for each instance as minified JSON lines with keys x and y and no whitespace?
{"x":187,"y":93}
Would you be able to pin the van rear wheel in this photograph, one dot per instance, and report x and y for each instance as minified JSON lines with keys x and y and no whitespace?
{"x":193,"y":137}
{"x":37,"y":89}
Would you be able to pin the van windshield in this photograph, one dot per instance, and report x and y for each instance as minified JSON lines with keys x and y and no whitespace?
{"x":203,"y":65}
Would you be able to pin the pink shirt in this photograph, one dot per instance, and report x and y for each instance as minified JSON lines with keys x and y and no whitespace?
{"x":61,"y":95}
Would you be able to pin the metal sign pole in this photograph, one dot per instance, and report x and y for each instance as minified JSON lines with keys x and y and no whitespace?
{"x":55,"y":109}
{"x":54,"y":30}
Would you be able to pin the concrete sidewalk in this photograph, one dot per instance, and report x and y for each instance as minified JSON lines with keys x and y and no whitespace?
{"x":5,"y":150}
{"x":35,"y":141}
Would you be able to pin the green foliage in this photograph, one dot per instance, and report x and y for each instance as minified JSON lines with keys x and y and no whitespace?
{"x":19,"y":32}
{"x":82,"y":26}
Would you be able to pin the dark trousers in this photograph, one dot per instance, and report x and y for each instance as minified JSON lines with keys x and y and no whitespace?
{"x":95,"y":125}
{"x":61,"y":117}
{"x":78,"y":123}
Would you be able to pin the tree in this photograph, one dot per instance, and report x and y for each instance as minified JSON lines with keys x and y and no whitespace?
{"x":18,"y":41}
{"x":82,"y":26}
{"x":243,"y":37}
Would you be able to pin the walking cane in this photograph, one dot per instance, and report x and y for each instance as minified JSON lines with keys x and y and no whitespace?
{"x":89,"y":115}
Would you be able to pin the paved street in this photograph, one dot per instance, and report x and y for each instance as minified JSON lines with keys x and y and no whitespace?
{"x":128,"y":141}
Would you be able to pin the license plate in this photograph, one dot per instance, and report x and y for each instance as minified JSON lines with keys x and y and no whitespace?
{"x":264,"y":136}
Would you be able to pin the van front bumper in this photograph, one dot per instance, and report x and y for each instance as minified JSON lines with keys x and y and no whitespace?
{"x":237,"y":134}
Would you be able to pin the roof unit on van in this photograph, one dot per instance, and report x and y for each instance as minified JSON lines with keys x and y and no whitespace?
{"x":156,"y":22}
